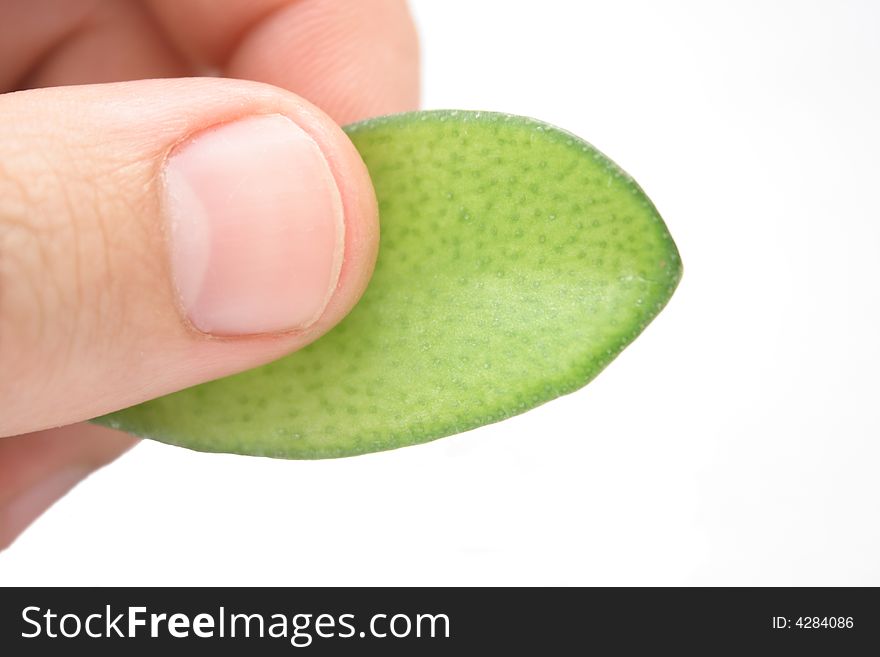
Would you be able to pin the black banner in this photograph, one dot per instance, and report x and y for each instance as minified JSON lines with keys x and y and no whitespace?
{"x":437,"y":621}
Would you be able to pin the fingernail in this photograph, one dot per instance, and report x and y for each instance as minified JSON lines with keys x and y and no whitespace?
{"x":256,"y":227}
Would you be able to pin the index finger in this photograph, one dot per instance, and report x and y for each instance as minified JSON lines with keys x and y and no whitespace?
{"x":352,"y":58}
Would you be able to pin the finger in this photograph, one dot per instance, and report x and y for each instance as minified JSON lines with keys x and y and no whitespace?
{"x":37,"y":469}
{"x":352,"y":58}
{"x":52,"y":42}
{"x":30,"y":30}
{"x":157,"y":234}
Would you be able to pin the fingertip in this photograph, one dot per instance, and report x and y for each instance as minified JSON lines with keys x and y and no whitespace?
{"x":354,"y":60}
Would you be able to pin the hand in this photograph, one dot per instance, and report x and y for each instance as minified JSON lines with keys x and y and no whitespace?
{"x":159,"y":233}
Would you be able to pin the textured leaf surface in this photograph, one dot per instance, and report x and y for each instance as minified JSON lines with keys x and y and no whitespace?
{"x":516,"y":262}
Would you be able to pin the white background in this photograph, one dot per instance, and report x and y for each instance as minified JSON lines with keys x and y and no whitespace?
{"x":735,"y":442}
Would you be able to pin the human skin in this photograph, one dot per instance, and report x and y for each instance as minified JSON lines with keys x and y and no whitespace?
{"x":106,"y":94}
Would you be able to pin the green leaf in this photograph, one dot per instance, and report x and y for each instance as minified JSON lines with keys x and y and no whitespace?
{"x":516,"y":262}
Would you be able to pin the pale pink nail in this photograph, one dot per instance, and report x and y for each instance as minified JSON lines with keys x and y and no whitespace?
{"x":256,"y":227}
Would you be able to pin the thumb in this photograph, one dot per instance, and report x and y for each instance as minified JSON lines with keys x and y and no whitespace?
{"x":161,"y":233}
